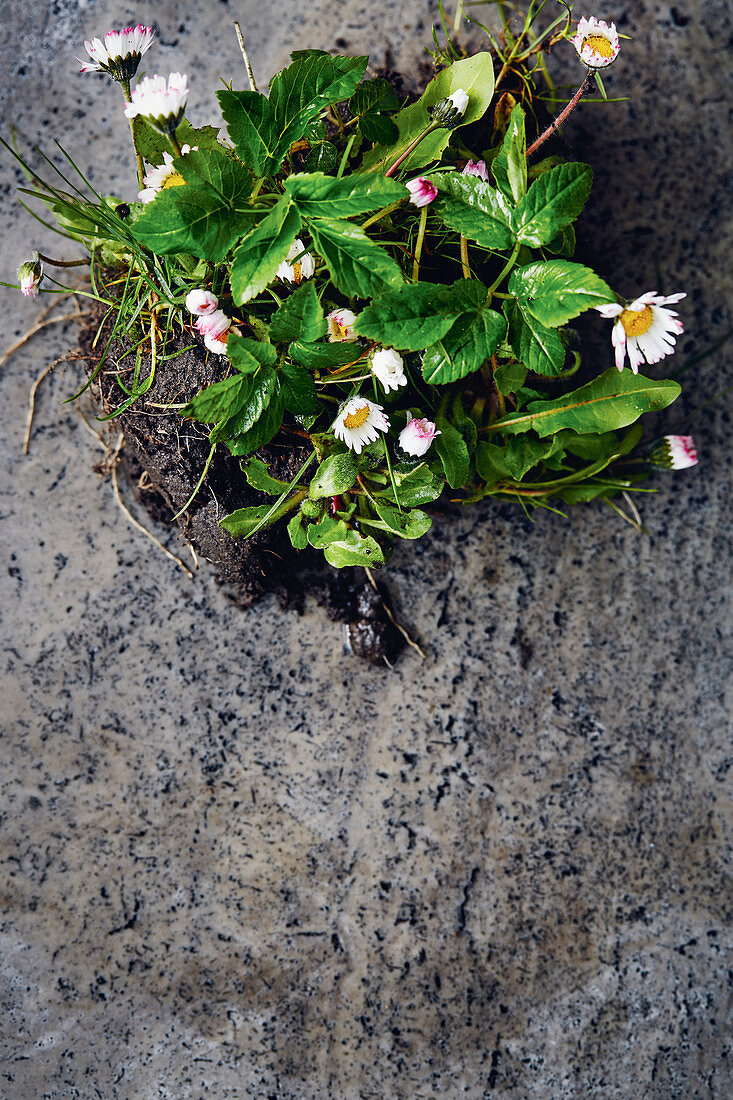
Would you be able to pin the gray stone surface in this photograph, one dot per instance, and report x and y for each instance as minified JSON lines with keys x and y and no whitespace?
{"x":236,"y":862}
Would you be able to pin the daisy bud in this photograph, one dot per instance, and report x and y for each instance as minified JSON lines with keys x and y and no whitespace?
{"x":30,"y":274}
{"x":676,"y":452}
{"x":596,"y":42}
{"x":217,"y":344}
{"x":120,"y":53}
{"x":201,"y":302}
{"x":303,"y":268}
{"x":476,"y":168}
{"x":161,"y":102}
{"x":422,"y":191}
{"x":448,"y":112}
{"x":415,"y":439}
{"x":359,"y":422}
{"x":341,"y":326}
{"x":388,"y":367}
{"x":213,"y":324}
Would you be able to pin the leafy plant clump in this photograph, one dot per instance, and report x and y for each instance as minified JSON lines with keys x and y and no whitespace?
{"x":392,"y":286}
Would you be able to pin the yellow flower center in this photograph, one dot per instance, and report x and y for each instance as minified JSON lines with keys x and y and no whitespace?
{"x":175,"y":179}
{"x":599,"y":44}
{"x":357,"y":418}
{"x":637,"y":322}
{"x":297,"y":274}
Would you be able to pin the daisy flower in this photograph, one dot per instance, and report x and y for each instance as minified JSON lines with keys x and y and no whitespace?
{"x":304,"y":268}
{"x":476,"y":168}
{"x":161,"y":102}
{"x":359,"y":422}
{"x":119,"y":54}
{"x":415,"y":439}
{"x":201,"y":302}
{"x":644,"y":329}
{"x":676,"y":452}
{"x":158,"y":179}
{"x":341,"y":326}
{"x":213,"y":324}
{"x":30,"y":274}
{"x":422,"y":191}
{"x":596,"y":42}
{"x":388,"y":367}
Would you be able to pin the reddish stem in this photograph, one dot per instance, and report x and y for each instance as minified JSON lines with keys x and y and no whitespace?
{"x":587,"y":86}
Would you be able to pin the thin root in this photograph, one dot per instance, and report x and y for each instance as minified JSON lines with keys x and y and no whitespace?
{"x":32,"y":397}
{"x":392,"y":619}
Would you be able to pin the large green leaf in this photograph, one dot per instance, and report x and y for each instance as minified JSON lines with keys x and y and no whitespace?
{"x":611,"y":401}
{"x":334,"y":476}
{"x":247,"y":355}
{"x":354,"y":549}
{"x":260,"y":254}
{"x":452,"y":451}
{"x":299,"y":93}
{"x":475,"y":75}
{"x":415,"y":485}
{"x":372,"y":103}
{"x":540,"y":349}
{"x":219,"y":401}
{"x":509,"y":166}
{"x":410,"y":317}
{"x":151,"y":144}
{"x":204,"y":216}
{"x":252,"y":126}
{"x":319,"y":196}
{"x":359,"y":267}
{"x":325,"y":356}
{"x":473,"y":338}
{"x":299,"y":317}
{"x":263,"y":429}
{"x":410,"y":524}
{"x":298,"y":390}
{"x":474,"y":208}
{"x":262,"y":388}
{"x":552,"y":202}
{"x":558,"y":290}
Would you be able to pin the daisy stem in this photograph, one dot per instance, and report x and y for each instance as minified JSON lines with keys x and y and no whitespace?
{"x":504,"y":272}
{"x":125,"y":85}
{"x":464,"y":258}
{"x":61,"y":263}
{"x":413,"y":145}
{"x":175,"y":143}
{"x":587,"y":86}
{"x":418,"y":246}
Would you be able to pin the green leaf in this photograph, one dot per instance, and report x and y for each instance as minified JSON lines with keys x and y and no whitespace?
{"x":299,"y":93}
{"x":609,"y":402}
{"x":248,"y":355}
{"x":298,"y":390}
{"x":319,"y":196}
{"x":151,"y":143}
{"x":410,"y":317}
{"x":298,"y":317}
{"x":260,"y":254}
{"x":552,"y":202}
{"x":325,"y":356}
{"x":410,"y":524}
{"x":334,"y":476}
{"x":540,"y":349}
{"x":262,"y":388}
{"x":416,"y":485}
{"x":378,"y":128}
{"x":262,"y":431}
{"x":297,"y":532}
{"x":515,"y":458}
{"x":258,"y":476}
{"x":473,"y":338}
{"x":244,"y":521}
{"x":253,"y":128}
{"x":558,"y":290}
{"x":354,"y":549}
{"x":474,"y":208}
{"x":358,"y":266}
{"x":475,"y":75}
{"x":323,"y":157}
{"x":219,"y":401}
{"x":374,"y":95}
{"x":203,"y":217}
{"x":452,"y":451}
{"x":509,"y":166}
{"x":509,"y":377}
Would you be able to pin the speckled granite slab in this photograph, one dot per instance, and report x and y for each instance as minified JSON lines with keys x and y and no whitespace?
{"x":238,"y":863}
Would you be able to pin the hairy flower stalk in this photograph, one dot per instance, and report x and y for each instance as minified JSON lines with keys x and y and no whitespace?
{"x":446,"y":114}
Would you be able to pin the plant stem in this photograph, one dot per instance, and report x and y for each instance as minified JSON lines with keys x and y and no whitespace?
{"x":125,"y":85}
{"x":62,"y":263}
{"x":458,"y":16}
{"x":382,"y":213}
{"x":587,"y":86}
{"x":247,"y":64}
{"x":345,"y":157}
{"x":175,"y":143}
{"x":464,"y":258}
{"x":504,"y":271}
{"x":418,"y":246}
{"x":412,"y":146}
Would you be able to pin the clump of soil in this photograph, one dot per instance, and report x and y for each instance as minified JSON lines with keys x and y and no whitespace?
{"x":163,"y":457}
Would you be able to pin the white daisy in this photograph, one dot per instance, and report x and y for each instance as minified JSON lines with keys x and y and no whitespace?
{"x":676,"y":452}
{"x":158,"y":179}
{"x":161,"y":102}
{"x":304,"y":267}
{"x":388,"y":367}
{"x":119,"y":54}
{"x":341,"y":326}
{"x":644,"y":329}
{"x":359,"y":422}
{"x":596,"y":42}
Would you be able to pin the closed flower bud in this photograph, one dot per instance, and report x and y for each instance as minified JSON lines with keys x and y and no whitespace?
{"x":201,"y":302}
{"x":422,"y":191}
{"x":415,"y":439}
{"x":30,"y":274}
{"x":448,"y":112}
{"x":388,"y":367}
{"x":676,"y":452}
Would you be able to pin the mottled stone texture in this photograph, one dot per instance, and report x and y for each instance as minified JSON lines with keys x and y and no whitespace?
{"x":237,"y":863}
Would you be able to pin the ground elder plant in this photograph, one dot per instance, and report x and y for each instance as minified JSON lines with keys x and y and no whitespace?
{"x":391,"y":286}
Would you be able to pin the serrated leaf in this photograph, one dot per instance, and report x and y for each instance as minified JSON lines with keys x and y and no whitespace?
{"x":410,"y":317}
{"x":260,"y":254}
{"x":378,"y":128}
{"x":300,"y":92}
{"x":359,"y":267}
{"x":218,"y":401}
{"x":151,"y":144}
{"x":247,"y":355}
{"x":611,"y":401}
{"x":263,"y":429}
{"x":262,"y":388}
{"x":204,"y":216}
{"x":253,"y":129}
{"x":552,"y":202}
{"x":509,"y":166}
{"x":323,"y":157}
{"x":334,"y":476}
{"x":473,"y":338}
{"x":474,"y":208}
{"x":374,"y":95}
{"x":516,"y":457}
{"x":475,"y":75}
{"x":556,"y":291}
{"x":452,"y":451}
{"x":298,"y":317}
{"x":540,"y":349}
{"x":298,"y":390}
{"x":324,"y":356}
{"x":319,"y":196}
